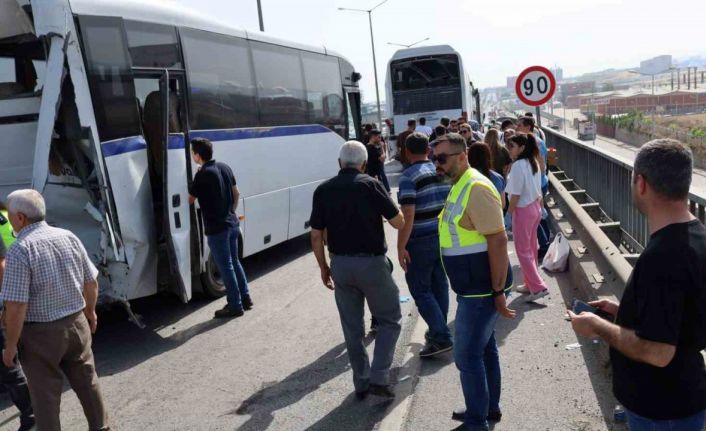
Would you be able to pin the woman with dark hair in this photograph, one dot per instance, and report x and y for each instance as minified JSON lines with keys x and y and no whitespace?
{"x":479,"y":158}
{"x":524,"y":188}
{"x":500,"y":157}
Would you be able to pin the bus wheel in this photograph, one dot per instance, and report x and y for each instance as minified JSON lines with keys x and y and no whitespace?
{"x":211,"y":280}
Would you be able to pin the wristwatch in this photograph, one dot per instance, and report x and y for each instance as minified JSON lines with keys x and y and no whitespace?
{"x":495,"y":293}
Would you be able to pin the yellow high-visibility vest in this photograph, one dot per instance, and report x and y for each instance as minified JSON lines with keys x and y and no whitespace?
{"x":454,"y":239}
{"x":6,"y":230}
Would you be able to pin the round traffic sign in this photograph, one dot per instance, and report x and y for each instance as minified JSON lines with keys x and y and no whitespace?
{"x":535,"y":85}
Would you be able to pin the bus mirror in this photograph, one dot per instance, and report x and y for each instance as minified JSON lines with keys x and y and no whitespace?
{"x":355,"y":76}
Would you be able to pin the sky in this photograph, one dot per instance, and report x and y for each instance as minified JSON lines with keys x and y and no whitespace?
{"x":496,"y":39}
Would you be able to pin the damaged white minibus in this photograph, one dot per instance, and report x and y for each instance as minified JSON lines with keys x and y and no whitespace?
{"x":99,"y":99}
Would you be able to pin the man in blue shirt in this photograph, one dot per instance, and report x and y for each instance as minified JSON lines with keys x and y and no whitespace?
{"x":422,"y":194}
{"x":215,"y":187}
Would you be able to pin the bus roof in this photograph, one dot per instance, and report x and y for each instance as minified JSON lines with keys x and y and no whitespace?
{"x":421,"y":51}
{"x":171,"y":13}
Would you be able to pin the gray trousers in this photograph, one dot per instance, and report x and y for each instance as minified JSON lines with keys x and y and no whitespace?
{"x":367,"y":278}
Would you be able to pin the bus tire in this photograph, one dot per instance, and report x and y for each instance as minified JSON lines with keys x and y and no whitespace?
{"x":211,"y":281}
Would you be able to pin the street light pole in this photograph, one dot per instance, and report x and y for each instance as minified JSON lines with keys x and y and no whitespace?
{"x":372,"y":42}
{"x":259,"y":14}
{"x":375,"y":68}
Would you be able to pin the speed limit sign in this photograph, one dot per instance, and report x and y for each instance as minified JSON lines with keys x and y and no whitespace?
{"x":535,"y":85}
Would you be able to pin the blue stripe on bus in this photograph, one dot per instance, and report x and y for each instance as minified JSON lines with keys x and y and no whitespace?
{"x":258,"y":133}
{"x":175,"y":142}
{"x":124,"y":145}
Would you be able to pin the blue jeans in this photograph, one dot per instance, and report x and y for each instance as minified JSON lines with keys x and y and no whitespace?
{"x":224,"y":249}
{"x":691,"y":423}
{"x":428,"y":285}
{"x":476,"y":356}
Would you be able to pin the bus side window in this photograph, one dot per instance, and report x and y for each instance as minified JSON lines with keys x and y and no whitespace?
{"x":110,"y":77}
{"x":221,"y":81}
{"x":324,"y":90}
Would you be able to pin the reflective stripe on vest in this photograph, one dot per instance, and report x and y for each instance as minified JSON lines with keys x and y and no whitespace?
{"x":6,"y":231}
{"x":454,"y":239}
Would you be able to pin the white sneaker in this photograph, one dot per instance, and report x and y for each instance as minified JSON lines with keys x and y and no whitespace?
{"x":535,"y":296}
{"x":522,"y":289}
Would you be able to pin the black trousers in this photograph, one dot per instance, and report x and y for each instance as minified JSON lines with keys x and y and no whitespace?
{"x":16,"y":383}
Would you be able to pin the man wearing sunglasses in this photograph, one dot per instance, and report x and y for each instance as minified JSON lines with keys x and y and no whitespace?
{"x":474,"y":251}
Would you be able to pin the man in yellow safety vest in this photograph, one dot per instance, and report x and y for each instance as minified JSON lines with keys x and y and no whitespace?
{"x":474,"y":252}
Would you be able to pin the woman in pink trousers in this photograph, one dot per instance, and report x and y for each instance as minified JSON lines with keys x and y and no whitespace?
{"x":524,"y":189}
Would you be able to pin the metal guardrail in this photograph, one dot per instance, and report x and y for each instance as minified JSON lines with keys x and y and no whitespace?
{"x":606,"y":178}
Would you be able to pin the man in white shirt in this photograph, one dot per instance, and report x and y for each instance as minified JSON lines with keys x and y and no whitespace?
{"x":423,"y":128}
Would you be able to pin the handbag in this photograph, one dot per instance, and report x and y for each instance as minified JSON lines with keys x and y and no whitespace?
{"x":557,"y":257}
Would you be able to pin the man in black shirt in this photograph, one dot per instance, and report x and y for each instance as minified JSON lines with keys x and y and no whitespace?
{"x":660,"y":329}
{"x":350,"y":207}
{"x":215,"y":188}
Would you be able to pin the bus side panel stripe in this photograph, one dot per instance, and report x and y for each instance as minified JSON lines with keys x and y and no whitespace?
{"x":121,"y":146}
{"x":273,"y":132}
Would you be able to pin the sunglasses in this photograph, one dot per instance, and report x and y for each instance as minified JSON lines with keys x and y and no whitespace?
{"x":465,"y":131}
{"x":442,"y":158}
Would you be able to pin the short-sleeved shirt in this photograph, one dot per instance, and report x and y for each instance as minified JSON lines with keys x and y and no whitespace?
{"x":213,"y":187}
{"x":522,"y":182}
{"x":484,"y":212}
{"x":665,"y":302}
{"x":374,"y":166}
{"x":422,"y":187}
{"x":543,"y":151}
{"x":46,"y":269}
{"x":350,"y":206}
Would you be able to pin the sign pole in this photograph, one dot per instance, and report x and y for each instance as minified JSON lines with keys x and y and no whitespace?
{"x":539,"y":117}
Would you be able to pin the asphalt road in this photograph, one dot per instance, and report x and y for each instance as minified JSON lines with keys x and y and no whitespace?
{"x":282,"y":366}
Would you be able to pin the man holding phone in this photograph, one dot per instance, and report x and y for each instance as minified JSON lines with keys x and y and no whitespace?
{"x":660,"y":330}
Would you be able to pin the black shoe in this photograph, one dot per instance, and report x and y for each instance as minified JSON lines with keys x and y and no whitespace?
{"x":461,"y":427}
{"x":361,"y":395}
{"x":227,"y":312}
{"x":433,"y":348}
{"x":384,"y":391}
{"x":458,"y":415}
{"x":247,"y":303}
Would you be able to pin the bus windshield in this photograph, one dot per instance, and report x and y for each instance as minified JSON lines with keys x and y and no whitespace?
{"x":425,"y":72}
{"x":426,"y":84}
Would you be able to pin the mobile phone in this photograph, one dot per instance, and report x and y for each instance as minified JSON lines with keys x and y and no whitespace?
{"x":580,"y":306}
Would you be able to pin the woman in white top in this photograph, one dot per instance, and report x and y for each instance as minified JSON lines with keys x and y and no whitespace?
{"x":524,"y":188}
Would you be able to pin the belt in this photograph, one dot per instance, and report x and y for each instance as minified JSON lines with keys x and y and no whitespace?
{"x":65,"y":318}
{"x":358,"y":254}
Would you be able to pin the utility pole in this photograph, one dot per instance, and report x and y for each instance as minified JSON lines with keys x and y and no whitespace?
{"x":259,"y":14}
{"x":372,"y":42}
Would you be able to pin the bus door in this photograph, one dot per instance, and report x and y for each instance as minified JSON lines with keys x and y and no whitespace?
{"x":160,"y":95}
{"x":175,"y":184}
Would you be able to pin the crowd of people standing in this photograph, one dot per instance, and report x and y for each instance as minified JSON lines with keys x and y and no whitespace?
{"x":456,"y":185}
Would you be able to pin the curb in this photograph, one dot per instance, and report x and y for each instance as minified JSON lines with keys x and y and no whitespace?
{"x":396,"y":413}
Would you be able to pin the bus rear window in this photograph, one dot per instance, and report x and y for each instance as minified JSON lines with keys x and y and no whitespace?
{"x":425,"y":72}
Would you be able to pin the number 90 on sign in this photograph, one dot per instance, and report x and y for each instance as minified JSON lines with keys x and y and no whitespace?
{"x":535,"y":86}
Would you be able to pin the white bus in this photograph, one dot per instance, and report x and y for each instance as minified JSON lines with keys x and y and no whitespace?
{"x":99,"y":99}
{"x":429,"y":82}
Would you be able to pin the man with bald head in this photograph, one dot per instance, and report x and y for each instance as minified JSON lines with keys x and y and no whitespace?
{"x":351,"y":207}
